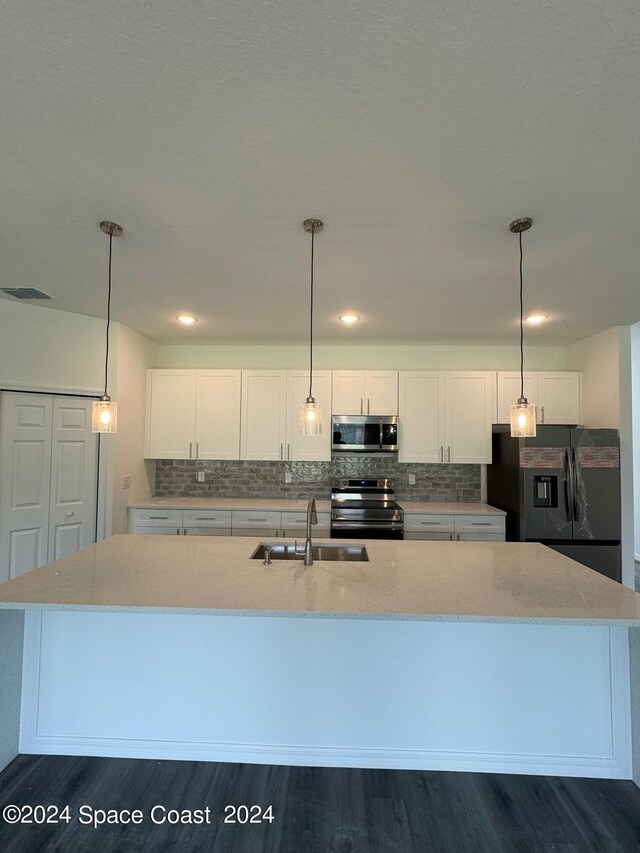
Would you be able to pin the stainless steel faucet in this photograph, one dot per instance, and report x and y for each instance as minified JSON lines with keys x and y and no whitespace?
{"x":312,"y":518}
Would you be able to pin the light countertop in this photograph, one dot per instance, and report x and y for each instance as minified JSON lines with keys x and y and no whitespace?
{"x":279,"y":504}
{"x":429,"y":581}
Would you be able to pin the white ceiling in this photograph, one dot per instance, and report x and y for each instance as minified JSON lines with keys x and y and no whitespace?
{"x":416,"y":129}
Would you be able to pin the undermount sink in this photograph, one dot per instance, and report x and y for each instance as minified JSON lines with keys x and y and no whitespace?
{"x":344,"y":552}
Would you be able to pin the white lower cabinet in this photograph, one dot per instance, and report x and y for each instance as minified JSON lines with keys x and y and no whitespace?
{"x":295,"y":523}
{"x":177,"y":522}
{"x":255,"y":523}
{"x":458,"y":528}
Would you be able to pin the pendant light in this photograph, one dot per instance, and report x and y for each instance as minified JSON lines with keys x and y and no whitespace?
{"x":105,"y":411}
{"x":522,"y":413}
{"x":310,"y":411}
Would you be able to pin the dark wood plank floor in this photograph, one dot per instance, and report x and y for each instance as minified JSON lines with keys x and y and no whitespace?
{"x":319,"y":810}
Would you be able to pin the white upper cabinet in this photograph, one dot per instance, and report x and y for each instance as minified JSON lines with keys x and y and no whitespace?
{"x":559,"y":398}
{"x":264,"y":411}
{"x":218,"y":414}
{"x":308,"y":447}
{"x":446,"y":416}
{"x":193,"y":414}
{"x":365,"y":392}
{"x":557,"y":395}
{"x":171,"y":414}
{"x":421,"y":416}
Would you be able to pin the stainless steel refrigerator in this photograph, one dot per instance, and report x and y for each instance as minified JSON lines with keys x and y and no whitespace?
{"x":561,"y":488}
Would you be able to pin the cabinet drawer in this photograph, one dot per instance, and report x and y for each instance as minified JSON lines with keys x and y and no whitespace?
{"x":206,"y":531}
{"x":206,"y":518}
{"x":145,"y":530}
{"x":480,"y":537}
{"x":298,"y":520}
{"x":428,"y":523}
{"x":157,"y":517}
{"x":255,"y":519}
{"x":479,"y":523}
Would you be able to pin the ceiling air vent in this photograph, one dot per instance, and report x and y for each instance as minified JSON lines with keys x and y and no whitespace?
{"x":25,"y":293}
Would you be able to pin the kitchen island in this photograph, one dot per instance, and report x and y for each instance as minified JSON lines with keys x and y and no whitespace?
{"x":446,"y":655}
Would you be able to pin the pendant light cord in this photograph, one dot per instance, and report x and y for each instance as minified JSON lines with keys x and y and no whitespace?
{"x":313,"y":234}
{"x":521,"y":325}
{"x":106,"y":359}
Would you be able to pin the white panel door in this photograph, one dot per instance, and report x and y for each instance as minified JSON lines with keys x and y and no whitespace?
{"x":508,"y":386}
{"x":559,"y":398}
{"x":348,"y":395}
{"x":171,"y":414}
{"x":218,"y":414}
{"x":469,"y":407}
{"x":421,"y":410}
{"x":25,"y":463}
{"x":308,"y":447}
{"x":72,"y":508}
{"x":381,"y":392}
{"x":264,"y":411}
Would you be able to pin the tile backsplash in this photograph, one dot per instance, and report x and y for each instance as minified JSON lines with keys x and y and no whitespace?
{"x":249,"y":479}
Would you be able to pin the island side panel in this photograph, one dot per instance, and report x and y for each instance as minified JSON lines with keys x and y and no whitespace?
{"x":516,"y":698}
{"x":634,"y":657}
{"x":11,"y":649}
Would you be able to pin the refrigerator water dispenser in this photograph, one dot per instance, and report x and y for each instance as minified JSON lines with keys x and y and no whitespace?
{"x":545,"y":490}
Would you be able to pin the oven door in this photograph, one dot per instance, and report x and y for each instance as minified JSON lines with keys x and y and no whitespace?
{"x":358,"y":530}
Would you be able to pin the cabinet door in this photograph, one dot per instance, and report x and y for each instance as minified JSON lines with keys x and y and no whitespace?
{"x":559,"y":398}
{"x":508,"y":386}
{"x":381,"y":392}
{"x":264,"y":409}
{"x":308,"y":447}
{"x":469,"y":406}
{"x":348,"y":392}
{"x":218,"y":414}
{"x":171,"y":414}
{"x":421,"y":409}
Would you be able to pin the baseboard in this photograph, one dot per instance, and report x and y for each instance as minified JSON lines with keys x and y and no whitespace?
{"x":309,"y":756}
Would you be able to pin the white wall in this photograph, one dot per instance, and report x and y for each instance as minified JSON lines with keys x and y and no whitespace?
{"x":45,"y":349}
{"x":354,"y":357}
{"x":133,"y":355}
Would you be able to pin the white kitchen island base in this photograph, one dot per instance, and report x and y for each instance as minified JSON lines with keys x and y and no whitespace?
{"x":455,"y":695}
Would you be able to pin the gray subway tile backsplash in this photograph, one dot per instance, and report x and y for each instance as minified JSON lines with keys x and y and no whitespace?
{"x":249,"y":479}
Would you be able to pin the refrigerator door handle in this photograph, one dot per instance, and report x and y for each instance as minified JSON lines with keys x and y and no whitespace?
{"x":574,"y":486}
{"x":568,"y":484}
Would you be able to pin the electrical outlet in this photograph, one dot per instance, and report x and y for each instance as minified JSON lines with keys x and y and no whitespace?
{"x":287,"y":476}
{"x":412,"y":479}
{"x":200,"y":476}
{"x":126,"y":482}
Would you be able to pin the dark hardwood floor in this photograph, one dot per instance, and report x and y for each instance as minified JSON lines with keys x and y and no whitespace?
{"x":318,"y":810}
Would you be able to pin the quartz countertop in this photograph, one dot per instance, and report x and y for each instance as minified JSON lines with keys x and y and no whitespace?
{"x":429,"y":581}
{"x":284,"y":505}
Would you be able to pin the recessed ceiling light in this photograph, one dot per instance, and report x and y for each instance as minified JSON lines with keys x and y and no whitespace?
{"x":536,"y":319}
{"x":186,"y":319}
{"x":349,"y":319}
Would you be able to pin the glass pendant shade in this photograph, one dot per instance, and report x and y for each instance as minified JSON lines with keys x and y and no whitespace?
{"x":310,"y":417}
{"x":522,"y":416}
{"x":104,"y":416}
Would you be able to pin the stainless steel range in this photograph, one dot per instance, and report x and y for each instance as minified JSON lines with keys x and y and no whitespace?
{"x":367,"y":509}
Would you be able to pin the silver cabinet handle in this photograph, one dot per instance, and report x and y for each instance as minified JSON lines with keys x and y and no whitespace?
{"x":481,"y":524}
{"x":452,"y":536}
{"x":281,"y":451}
{"x":441,"y":453}
{"x":362,"y":405}
{"x":541,"y":414}
{"x":184,"y":531}
{"x":159,"y":517}
{"x":449,"y":453}
{"x":197,"y":449}
{"x":190,"y":449}
{"x":288,"y":451}
{"x":257,"y":519}
{"x":177,"y":531}
{"x":368,"y":406}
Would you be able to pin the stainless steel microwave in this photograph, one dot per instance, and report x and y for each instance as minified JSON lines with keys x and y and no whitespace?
{"x":364,"y":434}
